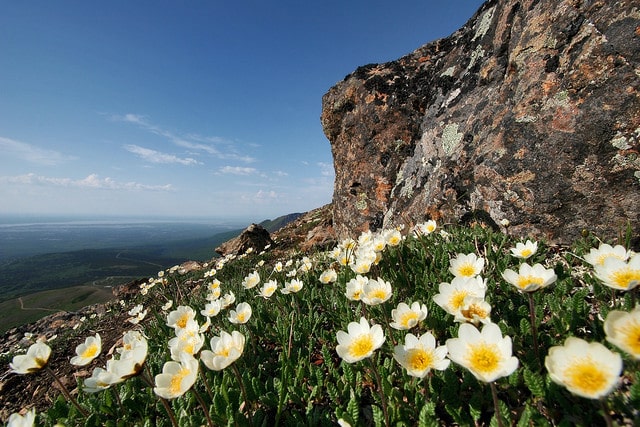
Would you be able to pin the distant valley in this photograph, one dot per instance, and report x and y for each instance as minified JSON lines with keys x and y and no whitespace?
{"x":121,"y":253}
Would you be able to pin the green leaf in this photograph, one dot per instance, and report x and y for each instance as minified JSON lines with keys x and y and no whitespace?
{"x":525,"y":417}
{"x":535,"y":383}
{"x":378,"y":416}
{"x":353,"y":408}
{"x":425,"y":418}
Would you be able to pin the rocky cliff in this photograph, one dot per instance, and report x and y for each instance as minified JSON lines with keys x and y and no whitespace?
{"x":530,"y":112}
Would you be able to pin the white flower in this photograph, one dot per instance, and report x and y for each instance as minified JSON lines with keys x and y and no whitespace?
{"x":524,"y":250}
{"x":618,"y":274}
{"x":376,"y":292}
{"x":586,"y":369}
{"x":36,"y":358}
{"x":392,"y":237}
{"x":292,"y":287}
{"x":419,"y":355}
{"x":424,"y":228}
{"x":278,"y":267}
{"x":268,"y":288}
{"x":87,"y":351}
{"x":405,"y":317}
{"x":212,"y":308}
{"x":469,"y":265}
{"x":451,"y":295}
{"x":473,"y":310}
{"x":213,"y":294}
{"x":179,"y":317}
{"x":167,"y":305}
{"x":486,"y":354}
{"x":26,"y":420}
{"x":328,"y":276}
{"x":187,"y":341}
{"x":225,"y":349}
{"x":176,"y":377}
{"x":241,"y":314}
{"x":355,"y":288}
{"x":360,"y":342}
{"x":598,"y":256}
{"x":100,"y":379}
{"x":251,"y":280}
{"x":228,"y":299}
{"x":623,"y":330}
{"x":530,"y":278}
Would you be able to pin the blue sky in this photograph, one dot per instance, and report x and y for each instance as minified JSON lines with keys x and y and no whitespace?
{"x":200,"y":108}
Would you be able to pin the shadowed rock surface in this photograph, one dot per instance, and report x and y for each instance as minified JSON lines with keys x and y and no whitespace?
{"x":530,"y":112}
{"x":255,"y":237}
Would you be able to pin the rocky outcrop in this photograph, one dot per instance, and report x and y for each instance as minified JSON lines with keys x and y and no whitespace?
{"x":530,"y":112}
{"x":254,"y":237}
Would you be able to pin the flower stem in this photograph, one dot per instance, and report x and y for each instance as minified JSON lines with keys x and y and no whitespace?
{"x":235,"y":370}
{"x":534,"y":327}
{"x":605,"y":413}
{"x":167,"y":408}
{"x":203,"y":406}
{"x":496,"y":405}
{"x":66,"y":393}
{"x":383,"y":400}
{"x":147,"y":377}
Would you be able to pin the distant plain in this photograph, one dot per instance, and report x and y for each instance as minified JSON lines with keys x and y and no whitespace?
{"x":54,"y":264}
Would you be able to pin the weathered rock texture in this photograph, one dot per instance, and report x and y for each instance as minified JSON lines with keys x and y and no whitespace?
{"x":254,"y":237}
{"x":530,"y":112}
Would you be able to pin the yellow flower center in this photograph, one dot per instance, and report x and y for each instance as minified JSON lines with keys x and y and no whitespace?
{"x":361,"y":346}
{"x":484,"y":358}
{"x":430,"y":228}
{"x":631,"y":334}
{"x":526,"y":252}
{"x":241,"y":317}
{"x":467,"y":270}
{"x":457,"y":298}
{"x":356,"y":295}
{"x":409,"y":319}
{"x":378,"y":293}
{"x":182,"y":320}
{"x":474,"y":310}
{"x":586,"y":376}
{"x":224,"y":352}
{"x":419,"y":359}
{"x":626,"y":278}
{"x":90,"y":352}
{"x":524,"y":281}
{"x":176,"y":381}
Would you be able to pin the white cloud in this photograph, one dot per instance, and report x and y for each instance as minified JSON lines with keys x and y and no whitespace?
{"x":92,"y":181}
{"x":237,"y":170}
{"x":154,"y":156}
{"x":31,"y":153}
{"x":206,"y":144}
{"x":326,"y":169}
{"x":266,"y":195}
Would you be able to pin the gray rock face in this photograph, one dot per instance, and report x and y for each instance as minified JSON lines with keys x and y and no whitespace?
{"x":530,"y":112}
{"x":255,"y":237}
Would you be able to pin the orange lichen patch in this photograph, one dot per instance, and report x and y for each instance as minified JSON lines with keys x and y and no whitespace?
{"x":524,"y":176}
{"x":383,"y":188}
{"x":564,"y":119}
{"x":549,"y":86}
{"x":520,"y":153}
{"x":424,"y":58}
{"x":637,"y":31}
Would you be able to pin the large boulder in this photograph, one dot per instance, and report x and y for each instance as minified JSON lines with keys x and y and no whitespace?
{"x":530,"y":112}
{"x":254,"y":237}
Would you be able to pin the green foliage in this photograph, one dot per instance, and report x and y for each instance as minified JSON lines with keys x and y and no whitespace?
{"x":291,"y":375}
